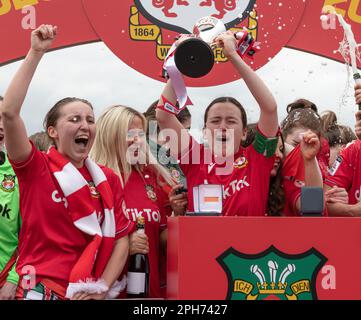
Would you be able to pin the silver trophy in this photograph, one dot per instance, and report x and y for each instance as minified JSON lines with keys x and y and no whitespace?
{"x":194,"y":57}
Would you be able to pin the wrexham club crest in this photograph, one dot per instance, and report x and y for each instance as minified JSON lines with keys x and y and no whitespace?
{"x":8,"y":183}
{"x":172,"y":12}
{"x":140,"y":32}
{"x":271,"y":274}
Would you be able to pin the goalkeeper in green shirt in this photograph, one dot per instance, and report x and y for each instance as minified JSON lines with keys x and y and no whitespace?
{"x":9,"y":223}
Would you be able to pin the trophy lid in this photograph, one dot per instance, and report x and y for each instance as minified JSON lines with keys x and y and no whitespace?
{"x":194,"y":58}
{"x":208,"y":28}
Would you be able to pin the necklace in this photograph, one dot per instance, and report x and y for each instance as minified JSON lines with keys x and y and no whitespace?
{"x":148,"y":187}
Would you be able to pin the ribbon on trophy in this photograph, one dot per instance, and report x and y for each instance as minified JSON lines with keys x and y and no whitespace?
{"x":170,"y":70}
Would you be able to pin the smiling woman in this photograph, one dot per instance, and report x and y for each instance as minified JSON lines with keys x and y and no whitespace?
{"x":73,"y":220}
{"x":71,"y":126}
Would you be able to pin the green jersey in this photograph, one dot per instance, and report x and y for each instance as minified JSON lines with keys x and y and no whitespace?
{"x":9,"y":217}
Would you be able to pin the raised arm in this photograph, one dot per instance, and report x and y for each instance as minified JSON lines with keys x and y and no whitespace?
{"x":169,"y":121}
{"x":16,"y":138}
{"x":310,"y":146}
{"x":268,"y":121}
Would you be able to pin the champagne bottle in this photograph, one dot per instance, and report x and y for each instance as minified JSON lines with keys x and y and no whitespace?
{"x":138,"y":270}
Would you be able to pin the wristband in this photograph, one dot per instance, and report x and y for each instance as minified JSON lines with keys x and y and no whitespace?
{"x":264,"y":145}
{"x":168,"y":107}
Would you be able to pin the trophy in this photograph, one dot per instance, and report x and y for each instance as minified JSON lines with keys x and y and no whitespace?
{"x":194,"y":56}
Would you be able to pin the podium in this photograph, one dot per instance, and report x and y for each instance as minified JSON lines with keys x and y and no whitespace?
{"x":256,"y":258}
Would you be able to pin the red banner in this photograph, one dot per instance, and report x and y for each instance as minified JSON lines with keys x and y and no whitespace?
{"x":140,"y":32}
{"x":16,"y":21}
{"x":323,"y":39}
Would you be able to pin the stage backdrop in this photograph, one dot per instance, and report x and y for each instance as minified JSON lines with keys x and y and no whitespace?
{"x":257,"y":258}
{"x":140,"y":32}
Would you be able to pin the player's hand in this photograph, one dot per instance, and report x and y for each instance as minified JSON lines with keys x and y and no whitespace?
{"x":138,"y":243}
{"x":42,"y":38}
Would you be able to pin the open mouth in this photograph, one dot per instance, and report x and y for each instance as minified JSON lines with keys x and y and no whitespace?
{"x":82,"y":141}
{"x":134,"y":148}
{"x":222,"y":139}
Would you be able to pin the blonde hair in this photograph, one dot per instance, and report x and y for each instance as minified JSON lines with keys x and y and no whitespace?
{"x":110,"y":145}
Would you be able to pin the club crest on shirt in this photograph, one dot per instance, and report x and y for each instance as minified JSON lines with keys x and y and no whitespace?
{"x":240,"y":163}
{"x":93,"y":190}
{"x":8,"y":183}
{"x":175,"y":174}
{"x":150,"y":193}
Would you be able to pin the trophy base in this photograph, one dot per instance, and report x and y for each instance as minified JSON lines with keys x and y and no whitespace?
{"x":194,"y":58}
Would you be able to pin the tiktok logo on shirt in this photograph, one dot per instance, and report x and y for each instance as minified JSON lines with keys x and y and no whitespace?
{"x":5,"y":211}
{"x":148,"y":214}
{"x":235,"y":186}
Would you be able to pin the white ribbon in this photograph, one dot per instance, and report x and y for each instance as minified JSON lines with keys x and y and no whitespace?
{"x":176,"y":78}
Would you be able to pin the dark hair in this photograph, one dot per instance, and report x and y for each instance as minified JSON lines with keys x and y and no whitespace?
{"x":301,"y":104}
{"x":149,"y":114}
{"x":306,"y":118}
{"x":54,"y":113}
{"x":276,"y":193}
{"x":251,"y":134}
{"x":334,"y":133}
{"x":184,"y":115}
{"x":329,"y":120}
{"x":331,"y":130}
{"x":1,"y":98}
{"x":347,"y":134}
{"x":231,"y":100}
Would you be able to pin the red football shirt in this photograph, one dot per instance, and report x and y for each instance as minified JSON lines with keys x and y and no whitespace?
{"x":293,"y":173}
{"x":323,"y":157}
{"x":345,"y":172}
{"x":49,"y":240}
{"x":245,"y":188}
{"x":143,"y":197}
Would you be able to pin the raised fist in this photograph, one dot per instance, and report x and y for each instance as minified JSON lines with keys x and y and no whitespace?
{"x":42,"y":38}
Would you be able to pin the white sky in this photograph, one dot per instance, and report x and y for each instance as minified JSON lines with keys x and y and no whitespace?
{"x":93,"y":72}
